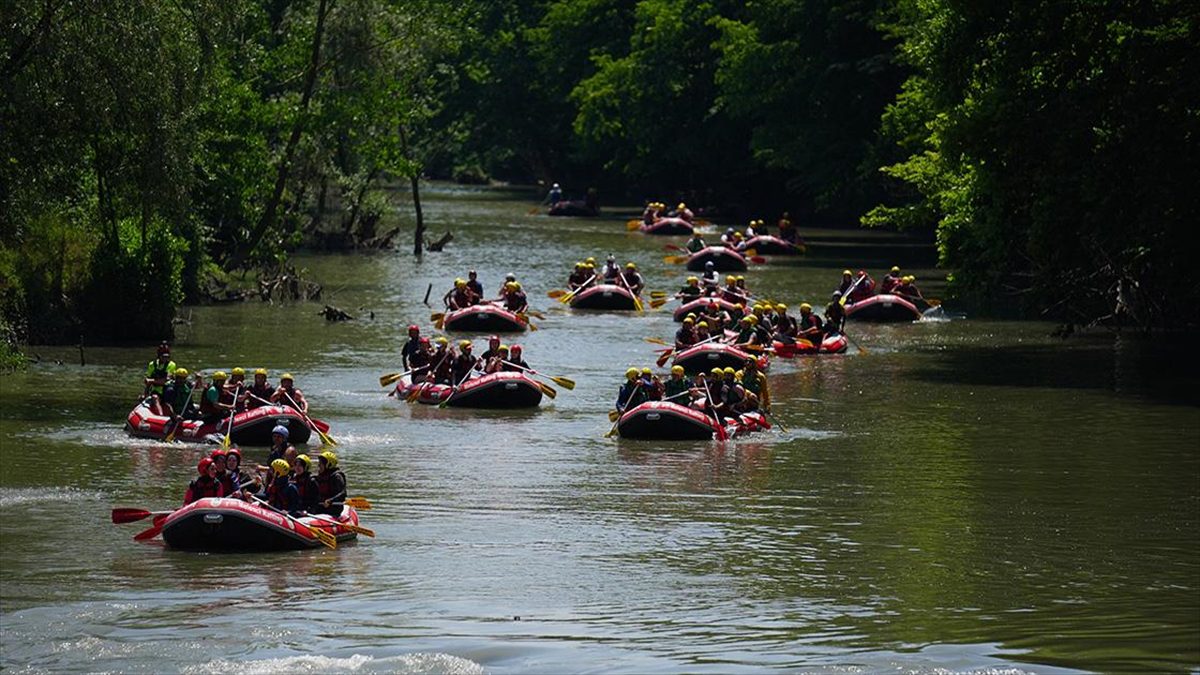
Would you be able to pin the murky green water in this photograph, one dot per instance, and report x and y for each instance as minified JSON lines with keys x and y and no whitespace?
{"x":965,"y":496}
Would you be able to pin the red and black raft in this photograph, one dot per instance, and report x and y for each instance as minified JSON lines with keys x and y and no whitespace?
{"x":723,"y":258}
{"x":250,"y":427}
{"x":883,"y":308}
{"x":664,"y":420}
{"x":833,"y":343}
{"x":668,"y":227}
{"x":495,"y":390}
{"x":711,"y":355}
{"x":484,"y":318}
{"x":232,"y":525}
{"x":604,"y":297}
{"x":765,"y":244}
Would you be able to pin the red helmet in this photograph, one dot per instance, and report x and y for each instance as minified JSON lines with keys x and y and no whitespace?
{"x":219,"y":452}
{"x":202,"y":467}
{"x":493,"y":338}
{"x":164,"y":348}
{"x":515,"y":349}
{"x":412,"y":329}
{"x":234,"y":452}
{"x":423,"y":341}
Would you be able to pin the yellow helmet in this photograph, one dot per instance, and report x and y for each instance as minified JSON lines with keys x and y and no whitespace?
{"x":441,"y":340}
{"x":280,"y":466}
{"x":330,"y":458}
{"x":910,"y":278}
{"x":781,"y":308}
{"x":286,"y":376}
{"x":632,"y":373}
{"x":238,"y":370}
{"x":753,"y":319}
{"x":691,"y":315}
{"x":260,"y":371}
{"x":512,"y":285}
{"x":645,"y":371}
{"x":681,"y":206}
{"x":590,"y":261}
{"x":459,"y":283}
{"x":219,"y":375}
{"x":717,"y":371}
{"x":741,"y":278}
{"x":630,"y":266}
{"x":181,"y":372}
{"x":502,"y":348}
{"x":805,"y":307}
{"x":702,"y":324}
{"x":689,"y":319}
{"x":730,"y":279}
{"x":895,"y":268}
{"x":729,"y":371}
{"x":693,"y":280}
{"x":306,"y":460}
{"x":676,"y":370}
{"x":845,"y":272}
{"x":591,"y":266}
{"x":579,"y":265}
{"x":464,"y":344}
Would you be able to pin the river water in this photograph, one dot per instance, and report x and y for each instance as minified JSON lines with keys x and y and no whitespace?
{"x":964,"y":495}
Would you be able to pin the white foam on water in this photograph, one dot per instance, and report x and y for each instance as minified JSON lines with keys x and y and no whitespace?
{"x":17,"y":496}
{"x":408,"y":664}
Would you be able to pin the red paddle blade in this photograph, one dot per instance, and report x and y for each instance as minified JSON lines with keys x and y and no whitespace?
{"x":757,"y":259}
{"x":120,"y":515}
{"x":148,"y":534}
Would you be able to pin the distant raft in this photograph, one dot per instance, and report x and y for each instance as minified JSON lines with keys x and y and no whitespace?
{"x":668,"y":421}
{"x":710,"y":355}
{"x":668,"y":227}
{"x":484,"y":318}
{"x":698,"y":306}
{"x":604,"y":297}
{"x":495,"y":390}
{"x":724,"y":259}
{"x":883,"y":308}
{"x":765,"y":244}
{"x":250,"y":427}
{"x":834,"y":343}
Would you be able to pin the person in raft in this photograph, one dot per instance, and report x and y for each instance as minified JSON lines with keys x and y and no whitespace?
{"x":711,"y":279}
{"x":631,"y":394}
{"x":279,"y":444}
{"x":205,"y":485}
{"x":280,"y":492}
{"x":260,"y":390}
{"x":464,"y":363}
{"x":473,"y":283}
{"x":306,"y":483}
{"x":908,"y":289}
{"x":460,"y":296}
{"x":578,"y":277}
{"x":212,"y":407}
{"x":632,"y":280}
{"x":177,"y":396}
{"x":787,"y":229}
{"x":696,"y":243}
{"x":331,"y":485}
{"x":158,"y":373}
{"x":515,"y":362}
{"x":554,"y":196}
{"x":287,"y":394}
{"x":240,"y":480}
{"x":678,"y":388}
{"x":890,"y":281}
{"x":515,"y":299}
{"x":411,"y":347}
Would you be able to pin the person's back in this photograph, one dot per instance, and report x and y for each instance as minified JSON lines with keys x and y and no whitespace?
{"x":695,"y":244}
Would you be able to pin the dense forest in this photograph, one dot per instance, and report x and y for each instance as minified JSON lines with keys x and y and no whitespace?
{"x":153,"y":150}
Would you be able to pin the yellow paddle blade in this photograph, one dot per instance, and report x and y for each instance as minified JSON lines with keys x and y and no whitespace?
{"x":439,"y":324}
{"x":325,"y":538}
{"x":437,"y":316}
{"x":658,"y":294}
{"x":556,"y":293}
{"x":413,"y":395}
{"x":390,"y":378}
{"x":637,"y":304}
{"x":750,"y":253}
{"x":658,"y":302}
{"x":933,"y":302}
{"x":564,"y":382}
{"x":613,"y":415}
{"x":657,"y":341}
{"x":536,"y":314}
{"x":361,"y":503}
{"x":675,"y":259}
{"x":633,"y":224}
{"x":359,"y":529}
{"x":532,"y":325}
{"x":548,"y":390}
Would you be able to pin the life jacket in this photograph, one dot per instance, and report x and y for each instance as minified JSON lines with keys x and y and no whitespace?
{"x":672,"y":387}
{"x":463,"y":363}
{"x":786,"y":325}
{"x":264,"y":392}
{"x":228,"y":486}
{"x":889,"y":283}
{"x":515,"y":301}
{"x":694,"y":245}
{"x":690,"y":291}
{"x":306,"y":486}
{"x":177,"y":395}
{"x":461,"y":297}
{"x":630,"y":395}
{"x":157,"y":371}
{"x":331,"y":484}
{"x":443,"y":367}
{"x":202,"y":488}
{"x":208,"y":407}
{"x":475,"y":286}
{"x":685,"y":336}
{"x":511,"y":365}
{"x":577,"y":278}
{"x":283,"y":495}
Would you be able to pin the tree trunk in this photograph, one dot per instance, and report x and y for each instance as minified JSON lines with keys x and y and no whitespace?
{"x":267,"y":220}
{"x":419,"y":235}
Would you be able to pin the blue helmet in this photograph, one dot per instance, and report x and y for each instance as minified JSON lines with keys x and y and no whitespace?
{"x":281,"y":430}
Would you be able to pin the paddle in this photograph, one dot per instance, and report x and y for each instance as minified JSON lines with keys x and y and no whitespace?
{"x":353,"y":528}
{"x":842,"y":300}
{"x":566,"y":382}
{"x":128,"y":515}
{"x":415,"y":394}
{"x":632,"y":224}
{"x":522,"y":316}
{"x":722,"y":435}
{"x":567,"y":298}
{"x":625,"y":405}
{"x":392,"y":378}
{"x":360,"y":503}
{"x":438,"y":319}
{"x":325,"y":438}
{"x":535,"y":314}
{"x":655,"y":303}
{"x":676,"y":259}
{"x":657,"y":341}
{"x":148,"y":533}
{"x":637,"y":302}
{"x":324,"y":537}
{"x":454,"y":389}
{"x":675,"y":247}
{"x":773,"y":419}
{"x":229,"y":431}
{"x":658,"y":294}
{"x":556,"y":293}
{"x":855,"y":343}
{"x":179,"y":422}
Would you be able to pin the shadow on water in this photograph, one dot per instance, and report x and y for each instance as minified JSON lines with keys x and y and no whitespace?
{"x":1156,"y":369}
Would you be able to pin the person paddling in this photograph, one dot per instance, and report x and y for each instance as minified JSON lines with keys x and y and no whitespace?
{"x":287,"y":394}
{"x":177,"y":396}
{"x":890,"y":281}
{"x":696,"y":243}
{"x":306,"y":484}
{"x":218,"y":460}
{"x":711,"y":279}
{"x":260,"y":390}
{"x":632,"y":280}
{"x":809,"y":325}
{"x":279,"y":443}
{"x":515,"y":299}
{"x":411,"y":346}
{"x":158,"y":373}
{"x":631,"y":394}
{"x":205,"y":485}
{"x":281,"y":493}
{"x":443,"y":361}
{"x":691,"y":291}
{"x":908,"y":289}
{"x":578,"y":277}
{"x":459,"y":297}
{"x":677,"y":387}
{"x":473,"y":284}
{"x":835,"y":314}
{"x":212,"y":408}
{"x":686,"y":335}
{"x":331,"y":485}
{"x":238,"y":478}
{"x":464,"y":363}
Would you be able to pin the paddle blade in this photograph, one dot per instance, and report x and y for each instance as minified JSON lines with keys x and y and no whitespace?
{"x":613,"y":415}
{"x":532,"y":325}
{"x":662,"y":360}
{"x":324,"y":537}
{"x":389,"y":379}
{"x":359,"y":529}
{"x":536,"y":314}
{"x":673,"y":247}
{"x":657,"y":341}
{"x":413,"y":395}
{"x":633,"y":224}
{"x":326,"y":438}
{"x":750,"y":253}
{"x":757,"y":259}
{"x":148,"y":534}
{"x":548,"y":390}
{"x":675,"y":259}
{"x":658,"y":294}
{"x":437,"y":316}
{"x":439,"y":324}
{"x":658,"y":302}
{"x":556,"y":293}
{"x":361,"y":503}
{"x":564,"y":382}
{"x":933,"y":302}
{"x":122,"y":515}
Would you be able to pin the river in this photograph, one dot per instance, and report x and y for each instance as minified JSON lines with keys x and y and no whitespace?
{"x":965,"y":495}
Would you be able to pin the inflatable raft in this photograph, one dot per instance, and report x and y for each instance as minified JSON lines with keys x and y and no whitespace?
{"x":883,"y":308}
{"x":234,"y":525}
{"x":831,"y":344}
{"x":496,"y":390}
{"x":572,"y":208}
{"x":765,"y":244}
{"x":250,"y":427}
{"x":724,"y":259}
{"x":698,"y":306}
{"x":714,"y":355}
{"x":483,"y":318}
{"x":604,"y":296}
{"x":667,"y":421}
{"x":668,"y":226}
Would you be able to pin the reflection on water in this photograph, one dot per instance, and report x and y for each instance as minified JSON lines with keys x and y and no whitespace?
{"x":963,"y":495}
